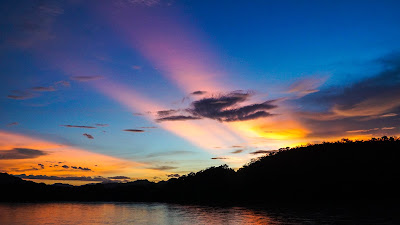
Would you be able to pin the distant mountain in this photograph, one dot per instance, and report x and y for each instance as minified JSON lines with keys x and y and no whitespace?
{"x":341,"y":172}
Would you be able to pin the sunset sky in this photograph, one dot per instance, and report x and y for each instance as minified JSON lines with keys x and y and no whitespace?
{"x":94,"y":91}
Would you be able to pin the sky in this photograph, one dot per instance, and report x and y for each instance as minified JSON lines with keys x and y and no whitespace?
{"x":110,"y":91}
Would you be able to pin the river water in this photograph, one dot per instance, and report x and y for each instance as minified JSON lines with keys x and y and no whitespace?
{"x":163,"y":213}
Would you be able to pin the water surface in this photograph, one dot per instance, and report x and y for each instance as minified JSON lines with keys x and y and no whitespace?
{"x":163,"y":213}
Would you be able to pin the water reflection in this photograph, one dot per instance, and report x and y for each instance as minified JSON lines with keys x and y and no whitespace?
{"x":159,"y":213}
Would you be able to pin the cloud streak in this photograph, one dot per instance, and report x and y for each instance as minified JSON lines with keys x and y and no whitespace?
{"x":78,"y":126}
{"x":21,"y":153}
{"x":134,"y":130}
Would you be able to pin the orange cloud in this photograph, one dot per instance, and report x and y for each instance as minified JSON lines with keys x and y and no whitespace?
{"x":60,"y":160}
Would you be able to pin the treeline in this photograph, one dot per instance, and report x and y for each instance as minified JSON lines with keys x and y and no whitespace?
{"x":339,"y":172}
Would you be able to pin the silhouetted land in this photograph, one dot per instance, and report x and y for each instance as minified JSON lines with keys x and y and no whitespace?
{"x":343,"y":172}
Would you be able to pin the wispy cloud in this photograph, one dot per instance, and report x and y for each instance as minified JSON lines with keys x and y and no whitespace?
{"x":237,"y":151}
{"x":67,"y":178}
{"x":21,"y":95}
{"x":198,"y":93}
{"x":41,"y":88}
{"x":12,"y":124}
{"x":219,"y":158}
{"x":163,"y":168}
{"x":101,"y":125}
{"x":86,"y":78}
{"x":261,"y":152}
{"x":21,"y":153}
{"x":177,"y":118}
{"x":78,"y":126}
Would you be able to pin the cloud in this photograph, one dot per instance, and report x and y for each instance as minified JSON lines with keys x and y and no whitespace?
{"x":166,"y":112}
{"x":101,"y":125}
{"x":134,"y":130}
{"x":224,"y":108}
{"x":45,"y":177}
{"x":41,"y":88}
{"x":306,"y":86}
{"x":163,"y":168}
{"x":388,"y":128}
{"x":86,"y":78}
{"x":237,"y":151}
{"x":78,"y":126}
{"x":148,"y":127}
{"x":21,"y":153}
{"x":65,"y":166}
{"x":361,"y":131}
{"x":63,"y":83}
{"x":177,"y":118}
{"x":261,"y":152}
{"x":355,"y":108}
{"x":41,"y":165}
{"x":136,"y":67}
{"x":219,"y":158}
{"x":148,"y":3}
{"x":173,"y":175}
{"x":119,"y":178}
{"x":88,"y":136}
{"x":198,"y":93}
{"x":21,"y":95}
{"x":12,"y":124}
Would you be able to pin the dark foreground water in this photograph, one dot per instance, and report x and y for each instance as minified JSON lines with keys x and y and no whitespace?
{"x":160,"y":213}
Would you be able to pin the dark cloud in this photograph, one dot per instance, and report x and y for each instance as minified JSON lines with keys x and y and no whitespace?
{"x":21,"y":153}
{"x":78,"y":126}
{"x":119,"y":178}
{"x":163,"y":113}
{"x":134,"y":130}
{"x":219,"y":158}
{"x":88,"y":136}
{"x":138,"y":114}
{"x":45,"y":177}
{"x":40,"y":88}
{"x":86,"y":78}
{"x":173,"y":175}
{"x":101,"y":125}
{"x":77,"y":168}
{"x":237,"y":151}
{"x":224,"y":108}
{"x":198,"y":93}
{"x":163,"y":168}
{"x":21,"y":95}
{"x":12,"y":124}
{"x":261,"y":152}
{"x":41,"y":165}
{"x":177,"y":118}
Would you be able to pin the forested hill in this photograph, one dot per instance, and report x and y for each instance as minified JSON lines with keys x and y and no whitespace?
{"x":338,"y":172}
